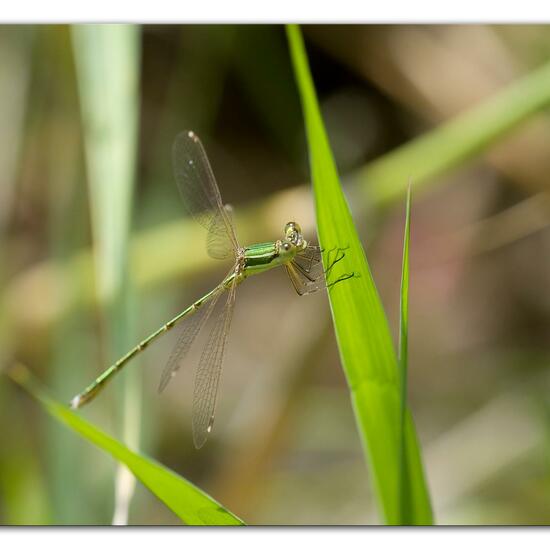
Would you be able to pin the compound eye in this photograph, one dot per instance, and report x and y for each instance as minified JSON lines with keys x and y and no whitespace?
{"x":293,"y":227}
{"x":286,"y":246}
{"x":293,"y":232}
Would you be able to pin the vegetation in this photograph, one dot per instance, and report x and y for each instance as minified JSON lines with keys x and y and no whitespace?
{"x":75,"y":278}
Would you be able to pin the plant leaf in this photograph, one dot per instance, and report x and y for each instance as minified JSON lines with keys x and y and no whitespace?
{"x":407,"y":516}
{"x":455,"y":142}
{"x":188,"y":502}
{"x":366,"y":349}
{"x":107,"y":61}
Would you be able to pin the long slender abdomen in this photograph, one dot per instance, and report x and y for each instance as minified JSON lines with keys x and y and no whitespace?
{"x":95,"y":387}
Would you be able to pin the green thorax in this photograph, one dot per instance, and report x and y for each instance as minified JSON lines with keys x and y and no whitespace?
{"x":261,"y":254}
{"x":261,"y":257}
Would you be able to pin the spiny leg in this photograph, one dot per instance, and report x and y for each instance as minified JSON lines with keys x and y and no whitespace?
{"x":339,"y":256}
{"x":343,"y":277}
{"x":306,"y":282}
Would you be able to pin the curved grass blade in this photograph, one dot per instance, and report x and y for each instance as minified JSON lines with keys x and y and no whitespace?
{"x":456,"y":142}
{"x":188,"y":502}
{"x":366,"y":348}
{"x":107,"y":61}
{"x":404,"y":494}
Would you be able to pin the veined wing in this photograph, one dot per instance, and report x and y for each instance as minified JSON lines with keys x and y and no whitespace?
{"x":190,"y":330}
{"x":302,"y":285}
{"x":208,"y":373}
{"x":310,"y":261}
{"x":306,"y":271}
{"x":217,"y":243}
{"x":200,"y":192}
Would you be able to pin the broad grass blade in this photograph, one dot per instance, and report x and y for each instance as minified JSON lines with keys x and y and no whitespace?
{"x":188,"y":502}
{"x":366,"y":348}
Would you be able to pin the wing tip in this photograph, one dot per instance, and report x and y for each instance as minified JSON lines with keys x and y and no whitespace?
{"x":183,"y":135}
{"x":200,"y":435}
{"x":199,"y":440}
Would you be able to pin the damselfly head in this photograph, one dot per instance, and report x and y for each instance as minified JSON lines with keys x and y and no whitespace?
{"x":293,"y":234}
{"x":292,"y":243}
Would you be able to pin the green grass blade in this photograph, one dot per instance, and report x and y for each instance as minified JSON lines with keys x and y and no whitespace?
{"x":188,"y":502}
{"x":404,"y":299}
{"x":407,"y":516}
{"x":455,"y":142}
{"x":366,"y":349}
{"x":107,"y":61}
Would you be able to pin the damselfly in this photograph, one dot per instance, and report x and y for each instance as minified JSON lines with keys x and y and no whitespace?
{"x":301,"y":260}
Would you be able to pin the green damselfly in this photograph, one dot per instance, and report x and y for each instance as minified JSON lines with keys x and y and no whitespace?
{"x":302,"y":261}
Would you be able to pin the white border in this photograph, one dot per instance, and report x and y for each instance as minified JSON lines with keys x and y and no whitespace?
{"x":239,"y":538}
{"x":248,"y":11}
{"x":253,"y":11}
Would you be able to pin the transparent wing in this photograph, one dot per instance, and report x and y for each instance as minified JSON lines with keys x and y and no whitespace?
{"x":208,"y":373}
{"x":217,"y":243}
{"x":301,"y":283}
{"x":306,"y":271}
{"x":199,"y":190}
{"x":190,"y":329}
{"x":310,"y":261}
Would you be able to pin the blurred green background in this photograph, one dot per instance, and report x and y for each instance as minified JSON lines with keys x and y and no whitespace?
{"x":285,"y":448}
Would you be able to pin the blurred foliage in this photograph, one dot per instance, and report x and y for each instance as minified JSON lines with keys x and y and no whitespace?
{"x":107,"y":59}
{"x":286,"y":448}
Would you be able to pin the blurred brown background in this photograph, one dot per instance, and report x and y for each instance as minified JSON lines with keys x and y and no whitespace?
{"x":285,"y":449}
